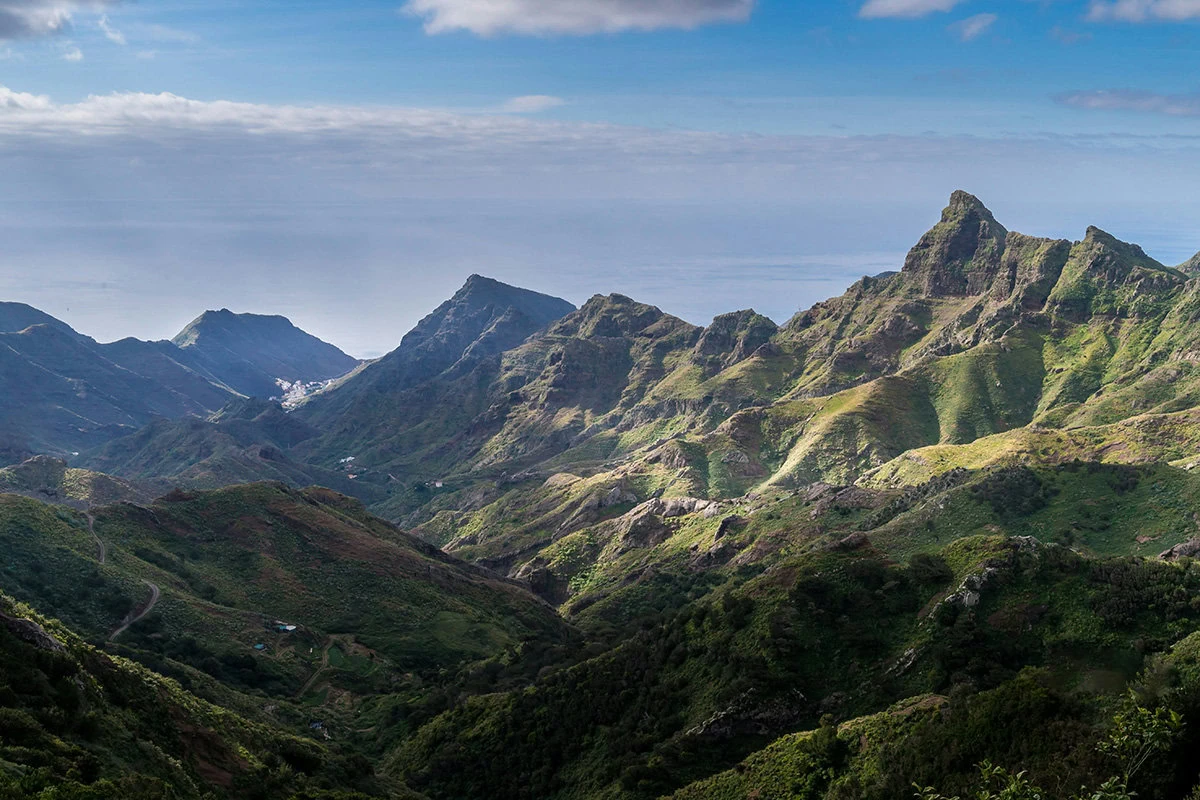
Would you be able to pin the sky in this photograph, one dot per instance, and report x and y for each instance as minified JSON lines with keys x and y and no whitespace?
{"x":349,"y":164}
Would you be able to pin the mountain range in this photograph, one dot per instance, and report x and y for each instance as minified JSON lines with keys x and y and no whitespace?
{"x":65,"y":392}
{"x":945,"y":518}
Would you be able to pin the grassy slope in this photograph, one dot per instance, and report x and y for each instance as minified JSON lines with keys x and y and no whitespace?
{"x":844,"y":633}
{"x":77,"y":722}
{"x":375,"y":608}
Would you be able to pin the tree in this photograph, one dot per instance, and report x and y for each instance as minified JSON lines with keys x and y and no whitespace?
{"x":1137,"y":734}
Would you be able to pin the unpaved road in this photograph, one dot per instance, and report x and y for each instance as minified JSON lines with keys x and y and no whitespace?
{"x":135,"y":615}
{"x":103,"y":552}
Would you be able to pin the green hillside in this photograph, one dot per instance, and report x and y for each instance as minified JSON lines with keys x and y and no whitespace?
{"x":76,"y":722}
{"x":944,"y":520}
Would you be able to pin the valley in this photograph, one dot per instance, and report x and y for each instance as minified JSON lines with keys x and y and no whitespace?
{"x":546,"y":551}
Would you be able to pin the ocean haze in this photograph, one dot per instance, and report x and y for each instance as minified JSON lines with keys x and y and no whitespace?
{"x":361,"y":275}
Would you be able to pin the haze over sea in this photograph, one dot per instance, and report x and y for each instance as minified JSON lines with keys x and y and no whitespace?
{"x":393,"y":260}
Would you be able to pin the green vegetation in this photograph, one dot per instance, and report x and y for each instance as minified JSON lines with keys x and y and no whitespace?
{"x":933,"y":538}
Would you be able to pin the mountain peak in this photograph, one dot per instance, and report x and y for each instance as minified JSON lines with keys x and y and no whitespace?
{"x":251,"y":353}
{"x":963,"y":203}
{"x":1128,"y":251}
{"x":483,"y":318}
{"x":16,"y":317}
{"x":960,"y":255}
{"x":1191,"y":266}
{"x":609,"y":316}
{"x":482,"y":290}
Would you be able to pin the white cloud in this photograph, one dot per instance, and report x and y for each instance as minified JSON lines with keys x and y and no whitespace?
{"x":905,"y":9}
{"x":575,"y":17}
{"x":972,"y":28}
{"x":30,"y":18}
{"x":531,"y":104}
{"x":1174,"y":105}
{"x":111,"y":33}
{"x":22,"y":101}
{"x":73,"y":53}
{"x":171,"y":204}
{"x":1143,"y":10}
{"x":163,"y":33}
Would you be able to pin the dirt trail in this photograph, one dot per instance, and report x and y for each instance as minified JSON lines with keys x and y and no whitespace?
{"x":324,"y":666}
{"x":102,"y":550}
{"x":134,"y":616}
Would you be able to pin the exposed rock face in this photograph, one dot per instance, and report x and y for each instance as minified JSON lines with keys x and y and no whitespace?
{"x":961,"y":255}
{"x":609,"y":316}
{"x":732,"y":338}
{"x":1191,"y":266}
{"x":646,"y":526}
{"x":1029,"y":269}
{"x":616,"y":496}
{"x":1105,"y":276}
{"x":642,"y":528}
{"x":1188,"y":549}
{"x":748,"y":716}
{"x":855,"y":541}
{"x":729,"y":525}
{"x":30,"y":632}
{"x":678,"y":506}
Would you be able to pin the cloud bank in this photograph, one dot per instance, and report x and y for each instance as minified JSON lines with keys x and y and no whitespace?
{"x":1174,"y":105}
{"x":148,"y":207}
{"x":30,"y":18}
{"x":1143,"y":10}
{"x":904,"y":9}
{"x":573,"y":17}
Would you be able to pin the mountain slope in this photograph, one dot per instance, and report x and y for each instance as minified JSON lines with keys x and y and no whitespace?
{"x":51,"y":480}
{"x":199,"y":587}
{"x":16,"y":317}
{"x":245,"y":442}
{"x":1056,"y":350}
{"x":482,"y":319}
{"x":252,"y":354}
{"x":63,"y":393}
{"x":78,"y":722}
{"x":1191,"y":265}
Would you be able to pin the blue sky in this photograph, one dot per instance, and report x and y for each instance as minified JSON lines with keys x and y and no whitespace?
{"x":348,"y":164}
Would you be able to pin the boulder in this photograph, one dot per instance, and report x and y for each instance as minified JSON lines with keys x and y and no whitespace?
{"x":1187,"y":549}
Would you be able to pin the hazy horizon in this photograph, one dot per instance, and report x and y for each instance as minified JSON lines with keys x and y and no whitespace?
{"x":349,"y":164}
{"x":716,"y":272}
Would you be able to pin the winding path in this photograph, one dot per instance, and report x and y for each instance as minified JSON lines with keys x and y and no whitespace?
{"x":324,"y":665}
{"x":133,"y":617}
{"x":103,"y":551}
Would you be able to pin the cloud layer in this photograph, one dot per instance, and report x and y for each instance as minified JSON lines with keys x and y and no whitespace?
{"x":1143,"y":10}
{"x":30,"y":18}
{"x":143,"y":208}
{"x":573,"y":17}
{"x":1174,"y":105}
{"x":904,"y":9}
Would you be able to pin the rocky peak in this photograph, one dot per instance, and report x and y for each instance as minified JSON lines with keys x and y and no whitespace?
{"x":732,"y":338}
{"x":1191,"y":266}
{"x":1104,"y":275}
{"x":960,"y":256}
{"x":609,"y":316}
{"x":964,"y":203}
{"x":483,"y":318}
